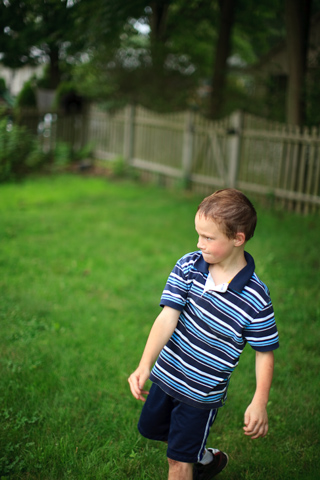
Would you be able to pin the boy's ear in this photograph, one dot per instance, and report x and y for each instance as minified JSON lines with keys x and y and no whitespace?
{"x":239,"y":239}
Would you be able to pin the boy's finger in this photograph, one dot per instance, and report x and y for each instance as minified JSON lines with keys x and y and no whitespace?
{"x":134,"y":387}
{"x":143,"y":392}
{"x":250,"y":427}
{"x":256,"y":430}
{"x":247,"y":419}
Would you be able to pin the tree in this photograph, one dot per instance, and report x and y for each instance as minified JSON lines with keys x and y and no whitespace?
{"x":223,"y":49}
{"x":160,"y":69}
{"x":297,"y":17}
{"x":189,"y":42}
{"x":159,"y":10}
{"x":33,"y":31}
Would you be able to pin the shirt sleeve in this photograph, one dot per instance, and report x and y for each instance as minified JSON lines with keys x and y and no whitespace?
{"x":262,"y":333}
{"x":177,"y":287}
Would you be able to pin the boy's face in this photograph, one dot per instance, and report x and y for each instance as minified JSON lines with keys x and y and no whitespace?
{"x":215,"y":246}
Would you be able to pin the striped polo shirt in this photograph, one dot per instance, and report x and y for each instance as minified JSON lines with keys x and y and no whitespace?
{"x":213,"y":328}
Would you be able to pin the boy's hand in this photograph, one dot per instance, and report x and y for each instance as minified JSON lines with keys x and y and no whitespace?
{"x":256,"y":421}
{"x":136,"y":381}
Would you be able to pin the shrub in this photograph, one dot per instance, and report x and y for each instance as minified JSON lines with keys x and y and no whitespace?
{"x":63,"y":89}
{"x":27,"y":96}
{"x":20,"y":152}
{"x":62,"y":155}
{"x":3,"y":87}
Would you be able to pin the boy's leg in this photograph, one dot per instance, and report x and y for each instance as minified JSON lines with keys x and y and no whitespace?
{"x":209,"y":470}
{"x":154,"y":422}
{"x":180,"y":470}
{"x":189,"y":430}
{"x":185,"y":429}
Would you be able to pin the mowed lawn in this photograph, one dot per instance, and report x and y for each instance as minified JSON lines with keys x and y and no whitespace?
{"x":83,"y":264}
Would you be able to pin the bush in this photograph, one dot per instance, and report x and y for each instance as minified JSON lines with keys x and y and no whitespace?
{"x":20,"y":152}
{"x":27,"y":96}
{"x":3,"y":87}
{"x":62,"y":155}
{"x":63,"y":89}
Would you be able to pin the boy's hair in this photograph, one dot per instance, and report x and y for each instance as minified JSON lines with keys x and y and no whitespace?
{"x":232,"y":210}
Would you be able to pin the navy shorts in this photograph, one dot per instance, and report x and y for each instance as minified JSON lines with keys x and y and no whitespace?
{"x":184,"y":427}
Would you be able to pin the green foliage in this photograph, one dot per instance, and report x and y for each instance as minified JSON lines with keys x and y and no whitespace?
{"x":2,"y":85}
{"x":170,"y":91}
{"x":85,"y":153}
{"x":101,"y":22}
{"x":62,"y":155}
{"x":119,"y":167}
{"x":157,"y":71}
{"x":260,"y":25}
{"x":112,"y":61}
{"x":63,"y":89}
{"x":27,"y":95}
{"x":83,"y":265}
{"x":31,"y":30}
{"x":20,"y":152}
{"x":44,"y":81}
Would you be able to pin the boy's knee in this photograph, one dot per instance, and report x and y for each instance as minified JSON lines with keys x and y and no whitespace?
{"x":179,"y":466}
{"x":172,"y":463}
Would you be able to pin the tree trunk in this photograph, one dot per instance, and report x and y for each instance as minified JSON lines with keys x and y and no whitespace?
{"x":227,"y":9}
{"x":297,"y":18}
{"x":158,"y":25}
{"x":54,"y":68}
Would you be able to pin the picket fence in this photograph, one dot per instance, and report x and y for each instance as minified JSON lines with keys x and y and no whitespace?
{"x":266,"y":159}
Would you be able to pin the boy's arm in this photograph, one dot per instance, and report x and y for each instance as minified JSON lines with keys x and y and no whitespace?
{"x":256,"y":418}
{"x":160,"y":333}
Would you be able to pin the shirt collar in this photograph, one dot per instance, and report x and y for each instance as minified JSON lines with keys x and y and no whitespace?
{"x":240,"y":280}
{"x":201,"y":265}
{"x":210,"y":286}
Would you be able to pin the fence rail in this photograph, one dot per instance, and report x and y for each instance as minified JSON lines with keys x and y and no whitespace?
{"x":243,"y":151}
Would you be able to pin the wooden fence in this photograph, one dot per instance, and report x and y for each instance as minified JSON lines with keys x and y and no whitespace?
{"x":242,"y":151}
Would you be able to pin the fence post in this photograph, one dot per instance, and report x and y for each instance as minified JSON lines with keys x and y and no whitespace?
{"x":128,"y":144}
{"x":234,"y":145}
{"x":187,"y":151}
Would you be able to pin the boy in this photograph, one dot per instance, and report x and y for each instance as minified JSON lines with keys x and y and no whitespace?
{"x":213,"y":303}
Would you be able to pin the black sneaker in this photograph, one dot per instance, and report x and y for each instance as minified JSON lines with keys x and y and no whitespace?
{"x":206,"y":472}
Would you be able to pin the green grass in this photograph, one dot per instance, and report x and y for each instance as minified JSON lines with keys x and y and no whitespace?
{"x":83,"y":264}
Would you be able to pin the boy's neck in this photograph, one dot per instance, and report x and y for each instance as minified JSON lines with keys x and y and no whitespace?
{"x":225,"y":271}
